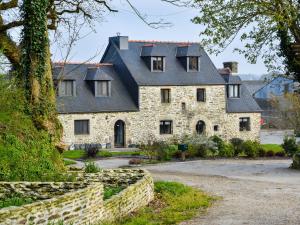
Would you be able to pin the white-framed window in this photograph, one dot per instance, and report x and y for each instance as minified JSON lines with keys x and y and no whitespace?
{"x":157,"y":64}
{"x":233,"y":91}
{"x":102,"y":88}
{"x":67,"y":88}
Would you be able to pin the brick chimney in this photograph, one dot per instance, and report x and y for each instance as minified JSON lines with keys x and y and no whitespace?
{"x":233,"y":66}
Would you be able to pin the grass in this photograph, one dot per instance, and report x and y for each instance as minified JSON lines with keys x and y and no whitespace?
{"x":15,"y":200}
{"x":80,"y":154}
{"x":272,"y":147}
{"x":174,"y":203}
{"x":69,"y":162}
{"x":110,"y":191}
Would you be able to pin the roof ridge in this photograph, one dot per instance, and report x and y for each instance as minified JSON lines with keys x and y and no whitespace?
{"x":166,"y":42}
{"x":82,"y":63}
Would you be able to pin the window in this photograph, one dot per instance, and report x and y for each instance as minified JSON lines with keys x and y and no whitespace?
{"x":245,"y":124}
{"x":67,"y":88}
{"x":201,"y":95}
{"x":157,"y":64}
{"x":216,"y":127}
{"x":165,"y":95}
{"x":200,"y":127}
{"x":193,"y":63}
{"x":166,"y":127}
{"x":102,"y":88}
{"x":233,"y":91}
{"x":183,"y":106}
{"x":81,"y":127}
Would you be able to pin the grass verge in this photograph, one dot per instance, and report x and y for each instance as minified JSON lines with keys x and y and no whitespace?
{"x":174,"y":203}
{"x":69,"y":162}
{"x":272,"y":147}
{"x":80,"y":154}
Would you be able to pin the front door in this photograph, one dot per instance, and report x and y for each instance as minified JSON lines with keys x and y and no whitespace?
{"x":119,"y":134}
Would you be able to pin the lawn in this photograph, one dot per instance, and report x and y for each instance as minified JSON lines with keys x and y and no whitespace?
{"x":174,"y":203}
{"x":272,"y":147}
{"x":69,"y":162}
{"x":79,"y":154}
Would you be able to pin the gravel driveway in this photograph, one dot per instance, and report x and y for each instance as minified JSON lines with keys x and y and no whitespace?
{"x":260,"y":192}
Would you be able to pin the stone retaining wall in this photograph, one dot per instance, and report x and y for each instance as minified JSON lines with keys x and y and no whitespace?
{"x":80,"y":202}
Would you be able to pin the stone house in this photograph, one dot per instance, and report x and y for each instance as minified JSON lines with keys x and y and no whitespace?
{"x":150,"y":90}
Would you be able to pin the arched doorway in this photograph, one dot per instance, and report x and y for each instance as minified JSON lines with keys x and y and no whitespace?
{"x":120,"y":134}
{"x":200,"y":127}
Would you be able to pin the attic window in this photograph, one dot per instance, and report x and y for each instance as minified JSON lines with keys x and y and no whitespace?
{"x":67,"y":88}
{"x":193,"y":63}
{"x":157,"y":64}
{"x":102,"y":88}
{"x":233,"y":91}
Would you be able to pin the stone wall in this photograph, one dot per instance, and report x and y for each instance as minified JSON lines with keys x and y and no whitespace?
{"x":144,"y":125}
{"x":84,"y":203}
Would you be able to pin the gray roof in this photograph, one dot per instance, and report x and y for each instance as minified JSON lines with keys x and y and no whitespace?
{"x":189,"y":50}
{"x":153,"y":50}
{"x":254,"y":85}
{"x":174,"y":74}
{"x":85,"y":100}
{"x":97,"y":74}
{"x":232,"y":79}
{"x":245,"y":103}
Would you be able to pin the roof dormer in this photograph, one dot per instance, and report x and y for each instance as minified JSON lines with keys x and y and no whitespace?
{"x":189,"y":56}
{"x":154,"y":57}
{"x":99,"y":81}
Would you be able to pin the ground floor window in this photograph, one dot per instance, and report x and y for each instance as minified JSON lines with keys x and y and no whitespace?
{"x":81,"y":127}
{"x":166,"y":127}
{"x":216,"y":127}
{"x":245,"y":124}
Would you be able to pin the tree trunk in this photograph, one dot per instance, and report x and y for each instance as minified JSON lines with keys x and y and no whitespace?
{"x":36,"y":68}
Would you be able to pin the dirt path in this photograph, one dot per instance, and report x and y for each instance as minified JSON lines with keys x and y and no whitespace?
{"x":243,"y":201}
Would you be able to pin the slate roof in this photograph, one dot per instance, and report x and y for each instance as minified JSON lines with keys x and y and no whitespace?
{"x":254,"y":85}
{"x":188,"y":50}
{"x":97,"y":74}
{"x":174,"y":74}
{"x":153,"y":50}
{"x":85,"y":100}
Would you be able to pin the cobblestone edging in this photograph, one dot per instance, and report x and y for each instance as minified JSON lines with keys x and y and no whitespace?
{"x":79,"y":202}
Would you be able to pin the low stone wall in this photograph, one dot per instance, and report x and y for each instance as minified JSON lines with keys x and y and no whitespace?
{"x":80,"y":202}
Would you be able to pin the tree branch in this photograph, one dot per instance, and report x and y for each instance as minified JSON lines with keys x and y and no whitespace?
{"x":8,"y":5}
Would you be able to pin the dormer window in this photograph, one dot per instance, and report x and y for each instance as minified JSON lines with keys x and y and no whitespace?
{"x":193,"y":63}
{"x":233,"y":91}
{"x":102,"y":88}
{"x":67,"y":88}
{"x":157,"y":64}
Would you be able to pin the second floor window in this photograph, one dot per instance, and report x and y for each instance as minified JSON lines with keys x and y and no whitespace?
{"x":233,"y":91}
{"x":157,"y":64}
{"x":102,"y":88}
{"x":165,"y":95}
{"x":166,"y":127}
{"x":245,"y":124}
{"x":193,"y":63}
{"x":81,"y":127}
{"x":201,"y":95}
{"x":67,"y":88}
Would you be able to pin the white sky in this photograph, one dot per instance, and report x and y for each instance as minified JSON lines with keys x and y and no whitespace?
{"x":128,"y":24}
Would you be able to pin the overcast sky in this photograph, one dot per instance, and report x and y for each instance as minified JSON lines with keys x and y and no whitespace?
{"x":127,"y":23}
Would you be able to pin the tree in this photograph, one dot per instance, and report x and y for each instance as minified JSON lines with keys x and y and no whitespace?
{"x":268,"y":28}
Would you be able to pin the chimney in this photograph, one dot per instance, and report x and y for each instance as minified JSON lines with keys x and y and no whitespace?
{"x":120,"y":41}
{"x":233,"y":66}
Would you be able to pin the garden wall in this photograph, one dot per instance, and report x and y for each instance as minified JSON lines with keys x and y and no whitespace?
{"x":79,"y":202}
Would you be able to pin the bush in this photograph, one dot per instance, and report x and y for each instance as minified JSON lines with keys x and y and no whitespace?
{"x":280,"y":154}
{"x":289,"y":145}
{"x":237,"y":145}
{"x":270,"y":153}
{"x":200,"y":146}
{"x":91,"y":167}
{"x":219,"y":142}
{"x":296,"y":161}
{"x":250,"y":148}
{"x":91,"y":151}
{"x":227,"y":151}
{"x":135,"y":161}
{"x":261,"y":152}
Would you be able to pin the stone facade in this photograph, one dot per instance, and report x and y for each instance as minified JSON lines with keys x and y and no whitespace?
{"x":83,"y":203}
{"x":144,"y":125}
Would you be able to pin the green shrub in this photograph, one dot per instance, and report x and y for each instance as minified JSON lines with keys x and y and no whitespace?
{"x":200,"y":146}
{"x":261,"y":152}
{"x":280,"y":154}
{"x":91,"y":167}
{"x":105,"y":154}
{"x":219,"y":142}
{"x":237,"y":145}
{"x":26,"y":154}
{"x":227,"y":151}
{"x":296,"y":161}
{"x":250,"y":148}
{"x":270,"y":153}
{"x":289,"y":145}
{"x":111,"y":191}
{"x":91,"y":151}
{"x":15,"y":200}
